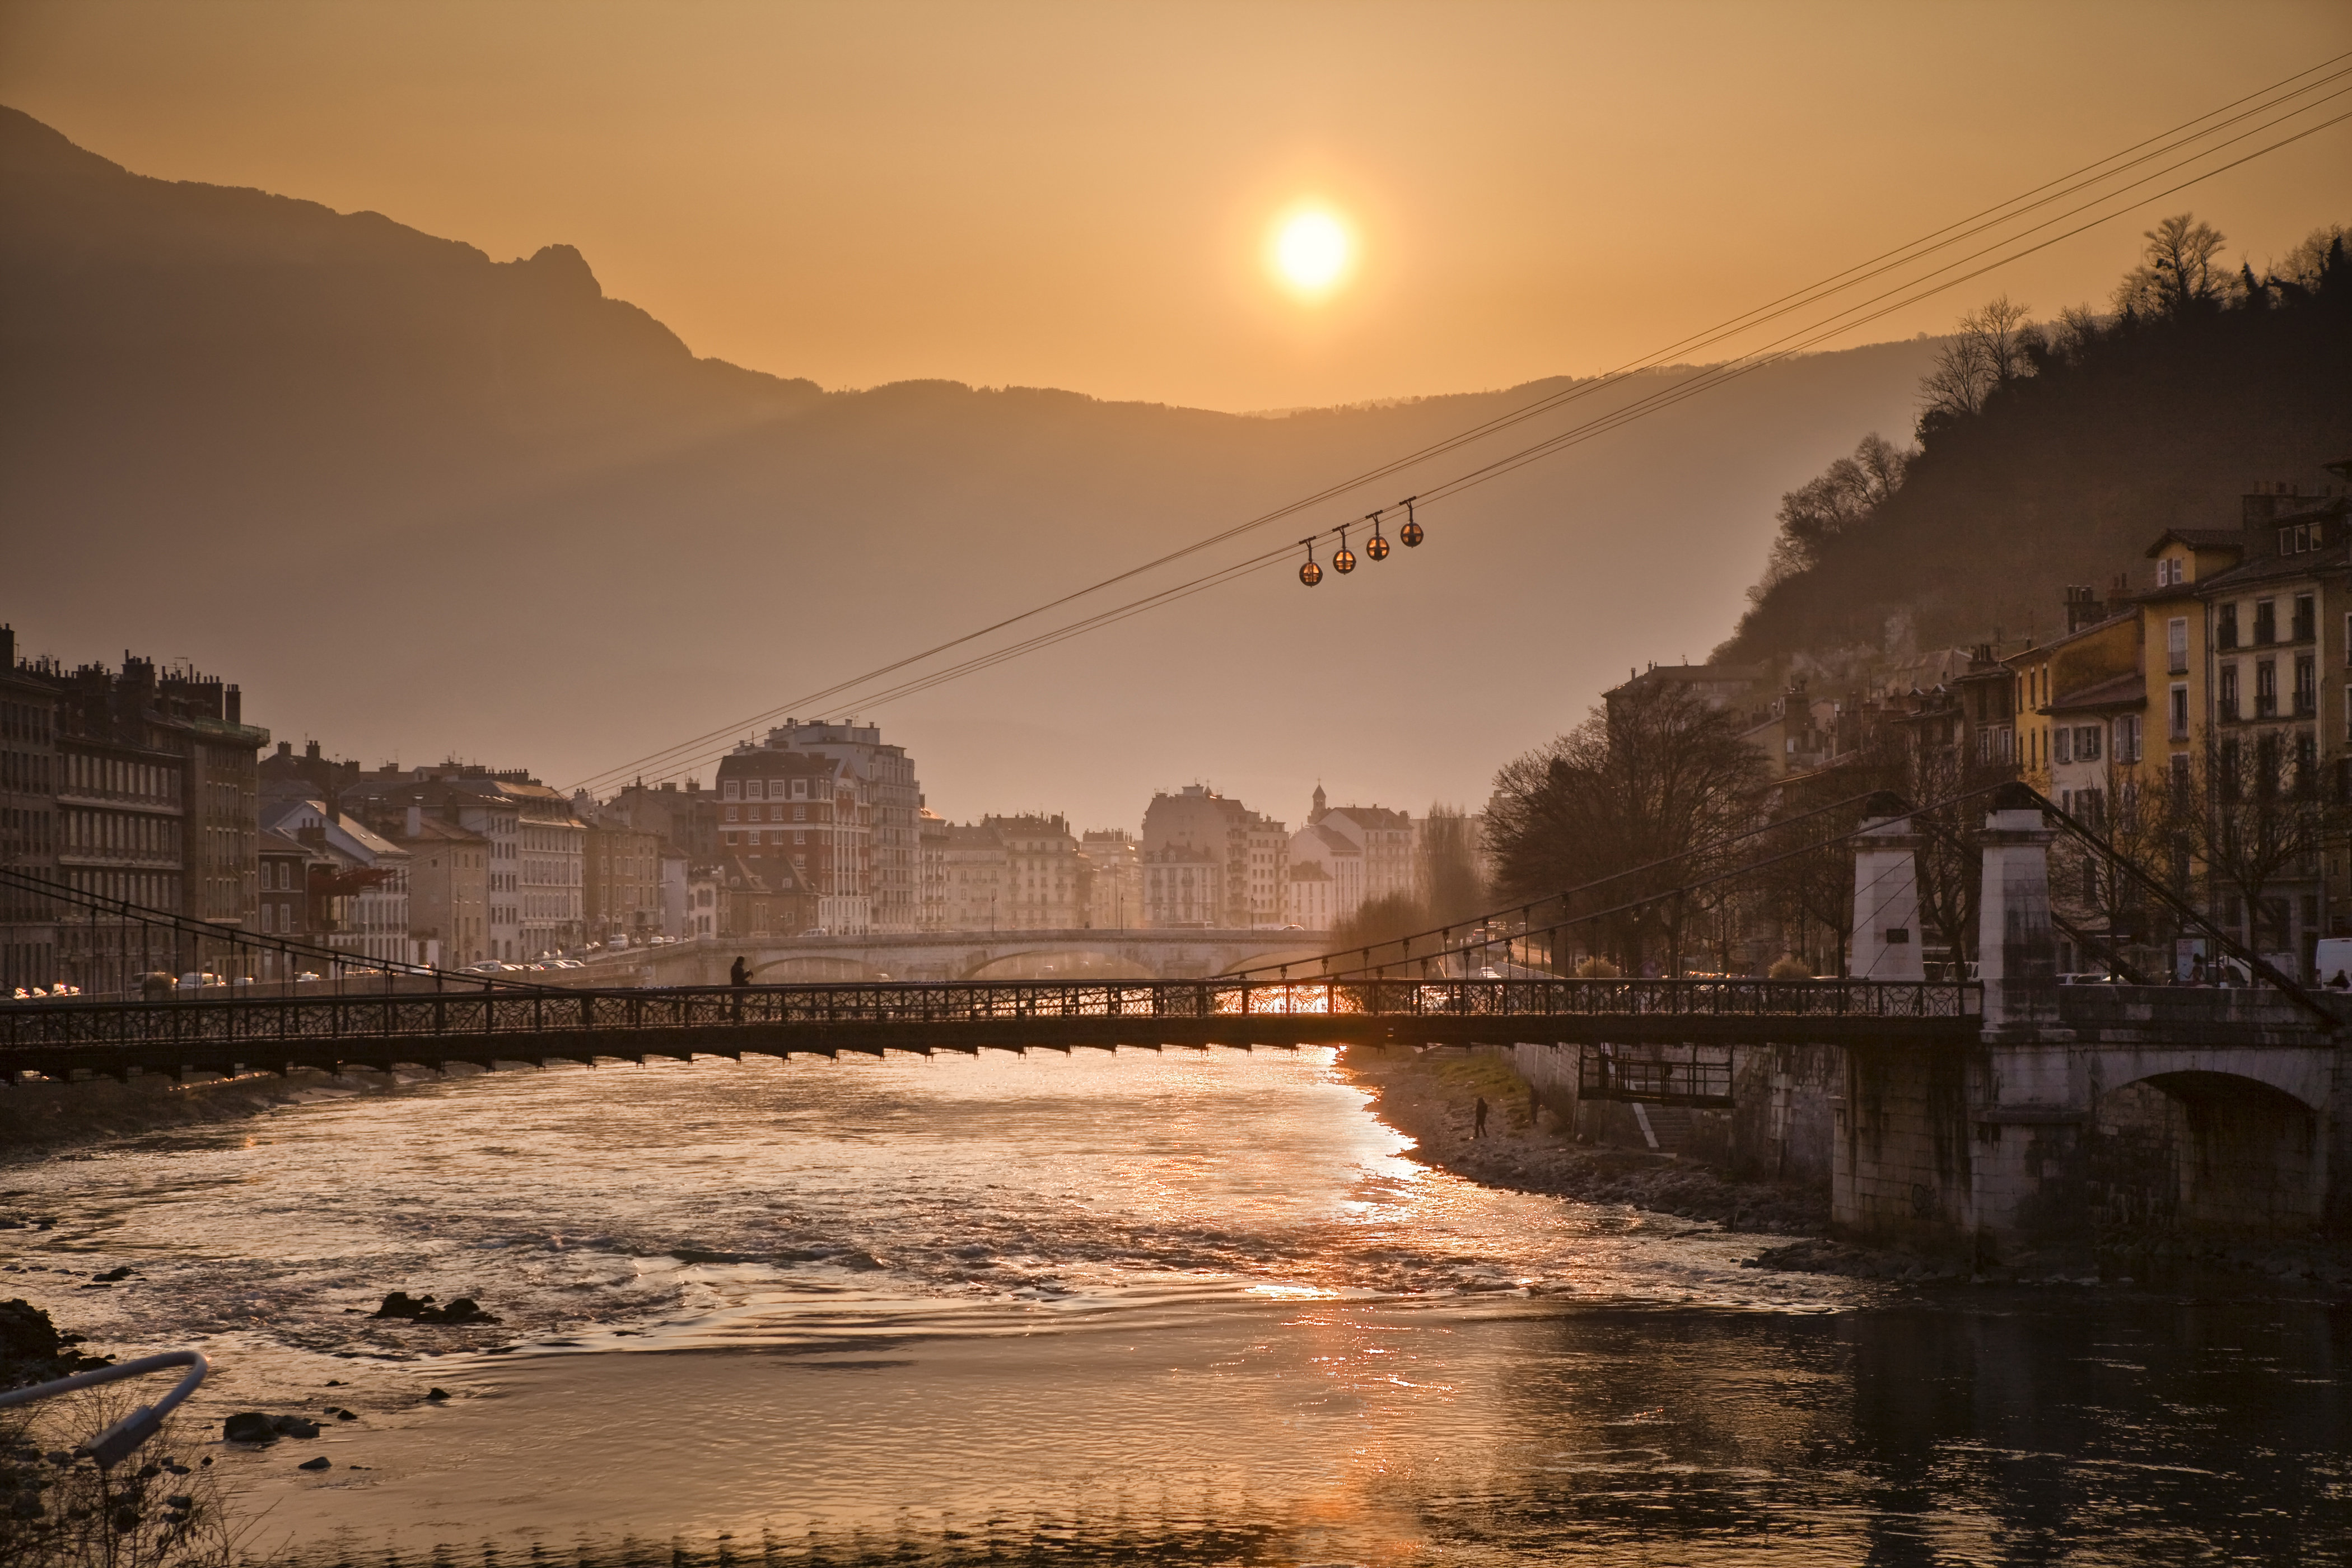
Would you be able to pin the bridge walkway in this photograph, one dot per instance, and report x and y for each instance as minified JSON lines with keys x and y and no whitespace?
{"x":59,"y":1039}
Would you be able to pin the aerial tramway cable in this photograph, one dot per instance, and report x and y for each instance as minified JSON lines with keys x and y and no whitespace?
{"x":675,"y":759}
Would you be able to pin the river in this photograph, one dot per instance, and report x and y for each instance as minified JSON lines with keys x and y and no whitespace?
{"x":1193,"y":1307}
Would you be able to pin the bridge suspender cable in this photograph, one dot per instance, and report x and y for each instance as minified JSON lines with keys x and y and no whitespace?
{"x":2189,"y":132}
{"x":2255,"y":964}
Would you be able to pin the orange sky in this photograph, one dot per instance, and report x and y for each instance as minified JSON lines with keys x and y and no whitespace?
{"x":1076,"y":195}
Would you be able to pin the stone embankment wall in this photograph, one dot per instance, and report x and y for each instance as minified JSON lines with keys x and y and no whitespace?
{"x":1780,"y":1126}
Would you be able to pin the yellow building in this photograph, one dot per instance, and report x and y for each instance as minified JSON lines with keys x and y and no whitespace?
{"x":2102,"y":644}
{"x":2177,"y":657}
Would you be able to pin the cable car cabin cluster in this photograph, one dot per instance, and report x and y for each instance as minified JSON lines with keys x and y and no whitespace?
{"x":1343,"y":560}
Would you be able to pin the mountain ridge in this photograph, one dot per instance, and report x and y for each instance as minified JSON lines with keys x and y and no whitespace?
{"x":529,"y":525}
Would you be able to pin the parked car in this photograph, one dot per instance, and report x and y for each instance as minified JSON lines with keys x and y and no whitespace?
{"x":565,"y":964}
{"x":488,"y":967}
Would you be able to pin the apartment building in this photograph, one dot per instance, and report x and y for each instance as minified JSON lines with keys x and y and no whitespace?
{"x":1115,"y":878}
{"x":807,"y":811}
{"x":975,"y":866}
{"x":29,"y":821}
{"x":893,"y":801}
{"x":931,"y":870}
{"x":1044,"y":878}
{"x":1210,"y":860}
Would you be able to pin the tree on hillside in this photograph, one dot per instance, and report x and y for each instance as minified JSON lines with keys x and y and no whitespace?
{"x":2177,"y":276}
{"x":2124,"y":426}
{"x":1652,"y":780}
{"x":1842,"y":500}
{"x":2308,"y":265}
{"x":1991,"y":350}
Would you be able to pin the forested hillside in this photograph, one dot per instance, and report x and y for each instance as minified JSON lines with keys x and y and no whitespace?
{"x":2051,"y":455}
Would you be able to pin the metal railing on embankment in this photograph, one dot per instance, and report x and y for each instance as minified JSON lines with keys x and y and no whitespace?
{"x":216,"y":1035}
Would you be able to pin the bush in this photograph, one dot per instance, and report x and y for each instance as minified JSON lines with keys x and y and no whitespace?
{"x":1788,"y":966}
{"x":1596,"y":968}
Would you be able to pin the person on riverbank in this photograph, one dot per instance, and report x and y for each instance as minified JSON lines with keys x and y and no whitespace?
{"x":1478,"y":1118}
{"x":741,"y":974}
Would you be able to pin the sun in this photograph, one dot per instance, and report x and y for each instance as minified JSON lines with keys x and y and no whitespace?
{"x":1312,"y":251}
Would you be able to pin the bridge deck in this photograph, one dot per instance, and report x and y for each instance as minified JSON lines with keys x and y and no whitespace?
{"x":54,"y":1039}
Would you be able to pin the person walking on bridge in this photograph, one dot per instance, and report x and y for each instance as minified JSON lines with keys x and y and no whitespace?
{"x":741,"y":974}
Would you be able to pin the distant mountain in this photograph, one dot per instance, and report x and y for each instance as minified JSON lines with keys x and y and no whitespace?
{"x":419,"y":502}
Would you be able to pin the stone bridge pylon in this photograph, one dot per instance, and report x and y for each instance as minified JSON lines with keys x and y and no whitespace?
{"x":2079,"y":1109}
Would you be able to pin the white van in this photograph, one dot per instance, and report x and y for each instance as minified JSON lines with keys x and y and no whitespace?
{"x":2334,"y":958}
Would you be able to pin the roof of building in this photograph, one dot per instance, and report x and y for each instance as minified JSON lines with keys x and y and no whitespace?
{"x":2199,"y":539}
{"x":1373,"y":816}
{"x":270,"y":842}
{"x":1308,"y":871}
{"x":2125,"y":690}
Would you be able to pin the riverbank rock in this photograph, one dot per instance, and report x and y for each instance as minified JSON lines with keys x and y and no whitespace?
{"x":248,"y":1426}
{"x":32,"y":1349}
{"x":401,"y":1307}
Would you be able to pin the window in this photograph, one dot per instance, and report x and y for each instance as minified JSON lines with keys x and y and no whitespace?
{"x":2307,"y":685}
{"x":2265,"y":688}
{"x":731,"y":790}
{"x":729,"y":838}
{"x":2168,"y":571}
{"x":2086,"y":742}
{"x":734,"y":813}
{"x":2306,"y":617}
{"x":2225,"y":626}
{"x":2265,"y":622}
{"x":2176,"y":645}
{"x":2062,"y":743}
{"x":2307,"y":766}
{"x":2180,"y":717}
{"x":2226,"y":702}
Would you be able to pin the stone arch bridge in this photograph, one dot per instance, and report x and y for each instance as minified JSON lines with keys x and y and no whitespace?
{"x":1150,"y":954}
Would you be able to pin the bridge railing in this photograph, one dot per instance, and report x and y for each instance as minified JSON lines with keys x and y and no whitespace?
{"x":261,"y":1022}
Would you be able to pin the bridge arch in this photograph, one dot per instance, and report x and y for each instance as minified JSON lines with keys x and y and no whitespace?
{"x":2201,"y":1150}
{"x":1125,"y":966}
{"x":816,"y":969}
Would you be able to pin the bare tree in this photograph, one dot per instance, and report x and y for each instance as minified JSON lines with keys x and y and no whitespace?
{"x":2253,"y":817}
{"x":1846,"y":496}
{"x":2141,"y":822}
{"x":1446,"y":866}
{"x":1652,"y":780}
{"x":2177,"y":274}
{"x":2308,"y":265}
{"x":1991,"y":350}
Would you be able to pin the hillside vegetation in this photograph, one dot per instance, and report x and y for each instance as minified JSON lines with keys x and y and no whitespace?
{"x":2054,"y":455}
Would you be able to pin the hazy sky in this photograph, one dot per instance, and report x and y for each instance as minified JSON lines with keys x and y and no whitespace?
{"x":1080,"y":196}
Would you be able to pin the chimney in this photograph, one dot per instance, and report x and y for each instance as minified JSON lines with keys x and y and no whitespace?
{"x":2082,"y":608}
{"x":7,"y":648}
{"x":311,"y":750}
{"x":234,"y":706}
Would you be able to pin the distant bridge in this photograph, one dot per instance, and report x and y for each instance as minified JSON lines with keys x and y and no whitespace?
{"x":1155,"y":953}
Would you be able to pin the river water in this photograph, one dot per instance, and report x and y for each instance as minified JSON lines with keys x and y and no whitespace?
{"x":1198,"y":1307}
